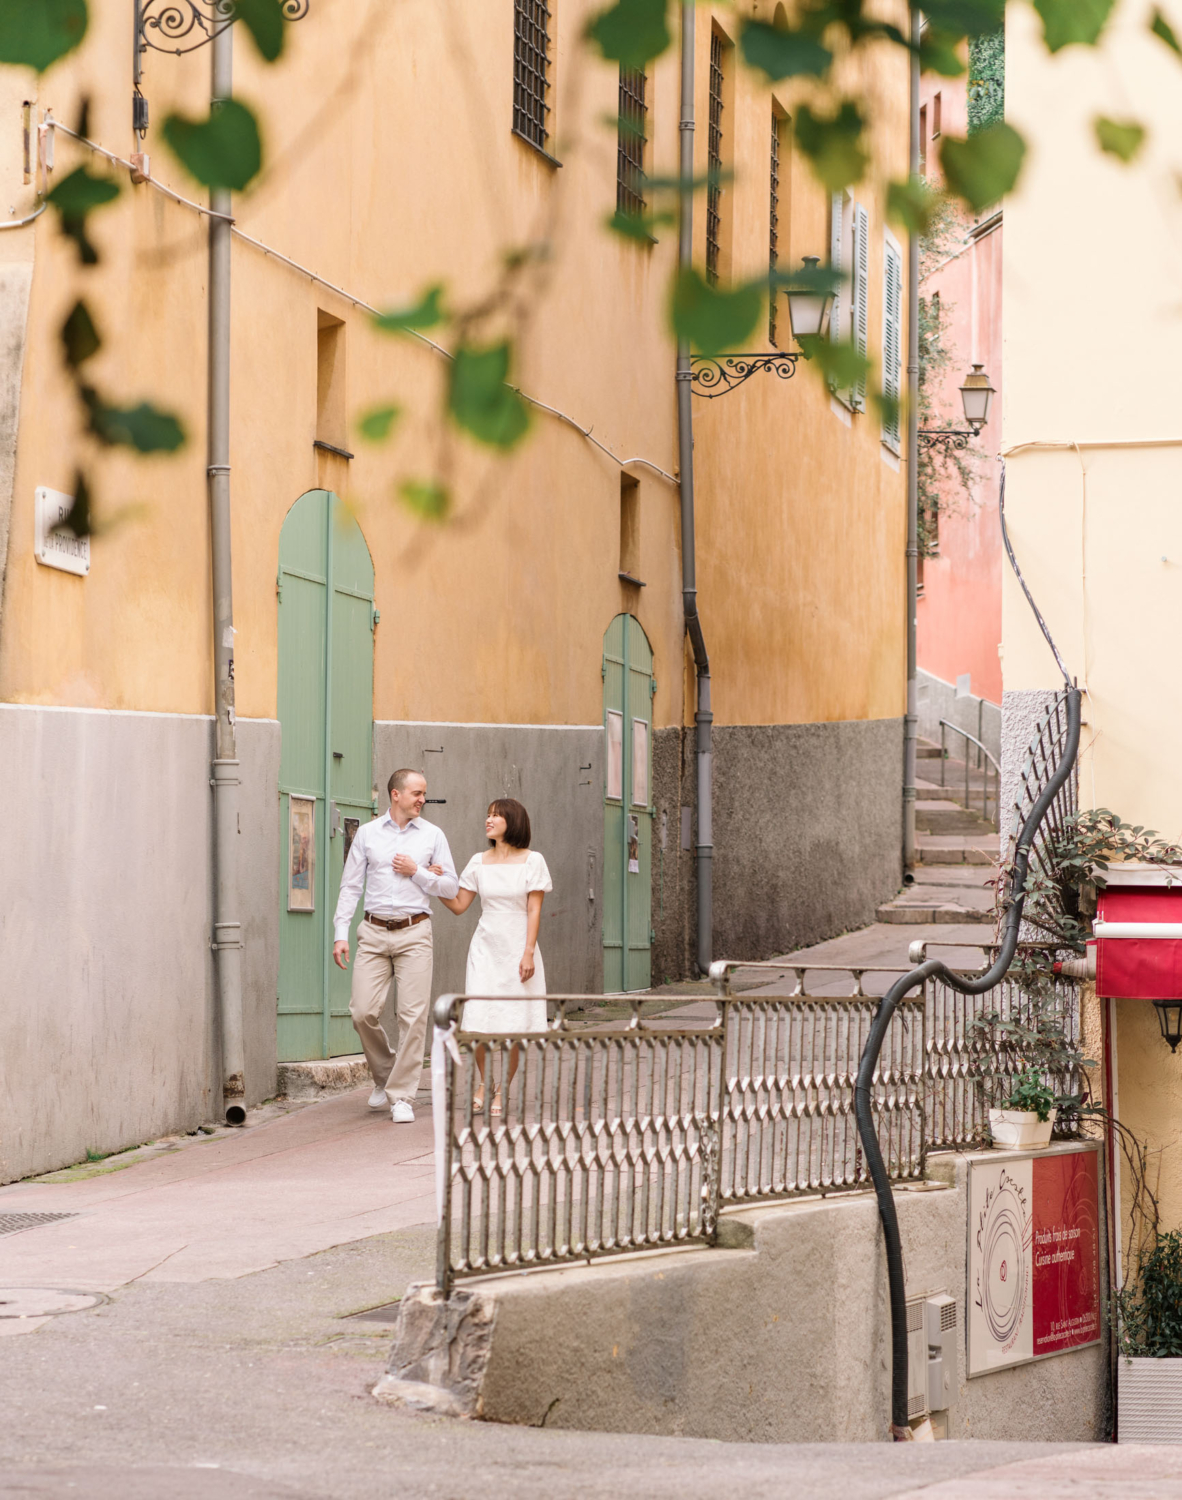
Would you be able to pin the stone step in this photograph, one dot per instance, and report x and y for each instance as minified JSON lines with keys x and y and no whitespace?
{"x":321,"y":1077}
{"x":911,"y":913}
{"x":956,"y":848}
{"x":941,"y":816}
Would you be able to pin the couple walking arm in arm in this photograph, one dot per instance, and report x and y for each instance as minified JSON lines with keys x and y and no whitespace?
{"x":400,"y":860}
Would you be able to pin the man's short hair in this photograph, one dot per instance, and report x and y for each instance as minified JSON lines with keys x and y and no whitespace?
{"x":397,"y":782}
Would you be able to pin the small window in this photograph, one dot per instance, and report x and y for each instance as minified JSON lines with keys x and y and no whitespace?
{"x":615,"y":754}
{"x":936,"y":111}
{"x":632,"y":140}
{"x":639,"y":763}
{"x":892,"y":338}
{"x":923,"y":141}
{"x":330,"y":379}
{"x":531,"y":71}
{"x":714,"y":161}
{"x":629,"y":526}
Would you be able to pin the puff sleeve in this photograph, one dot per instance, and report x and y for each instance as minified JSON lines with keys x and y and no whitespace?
{"x":537,"y":875}
{"x":470,"y":879}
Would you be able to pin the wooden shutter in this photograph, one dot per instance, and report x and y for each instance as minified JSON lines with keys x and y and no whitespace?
{"x":861,"y":287}
{"x":836,"y":219}
{"x":892,"y":337}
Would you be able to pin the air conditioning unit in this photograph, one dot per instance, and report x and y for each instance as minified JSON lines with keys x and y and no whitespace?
{"x":931,"y":1354}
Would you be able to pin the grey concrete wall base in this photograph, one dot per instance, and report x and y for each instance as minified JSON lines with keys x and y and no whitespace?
{"x":557,"y":771}
{"x":441,"y":1351}
{"x":782,"y":1337}
{"x":108,"y":1013}
{"x":321,"y":1077}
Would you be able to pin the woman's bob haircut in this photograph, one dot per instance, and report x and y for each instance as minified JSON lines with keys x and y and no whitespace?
{"x":516,"y":821}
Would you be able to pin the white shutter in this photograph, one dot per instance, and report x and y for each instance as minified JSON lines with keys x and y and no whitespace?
{"x":861,"y":290}
{"x":892,"y":339}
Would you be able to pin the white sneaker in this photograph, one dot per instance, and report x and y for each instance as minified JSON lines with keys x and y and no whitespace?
{"x":402,"y":1114}
{"x":378,"y":1100}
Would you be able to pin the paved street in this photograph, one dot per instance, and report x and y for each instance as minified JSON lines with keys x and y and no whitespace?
{"x":246,"y":1282}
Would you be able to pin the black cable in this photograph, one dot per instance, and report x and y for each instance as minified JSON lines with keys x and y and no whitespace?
{"x":936,"y":968}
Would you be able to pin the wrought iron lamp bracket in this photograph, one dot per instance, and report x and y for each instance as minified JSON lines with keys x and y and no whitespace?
{"x":946,"y":437}
{"x":714,"y":377}
{"x":163,"y":25}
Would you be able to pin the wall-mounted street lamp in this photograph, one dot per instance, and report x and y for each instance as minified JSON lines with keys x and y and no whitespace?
{"x":1169,"y":1018}
{"x":809,"y":305}
{"x":976,"y":396}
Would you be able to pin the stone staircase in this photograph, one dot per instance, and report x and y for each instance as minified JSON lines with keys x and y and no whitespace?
{"x":957,"y":848}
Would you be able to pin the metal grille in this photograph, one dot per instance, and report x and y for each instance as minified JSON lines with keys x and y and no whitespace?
{"x":773,"y":245}
{"x":11,"y":1223}
{"x":531,"y":70}
{"x":630,"y":197}
{"x":714,"y":162}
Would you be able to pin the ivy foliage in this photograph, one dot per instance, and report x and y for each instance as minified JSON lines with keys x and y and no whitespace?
{"x":1150,"y":1312}
{"x":35,"y":33}
{"x":224,"y":150}
{"x":987,"y":80}
{"x":74,"y":198}
{"x":1120,"y":138}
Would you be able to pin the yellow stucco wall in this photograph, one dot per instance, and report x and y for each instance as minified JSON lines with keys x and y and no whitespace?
{"x":392,"y":166}
{"x":1093,"y":316}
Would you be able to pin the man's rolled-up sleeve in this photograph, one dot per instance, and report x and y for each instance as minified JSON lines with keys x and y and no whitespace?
{"x":352,"y":884}
{"x":445,"y":885}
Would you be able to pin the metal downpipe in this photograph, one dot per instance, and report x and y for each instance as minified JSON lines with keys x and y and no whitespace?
{"x":227,"y":940}
{"x":703,"y":717}
{"x":911,"y":719}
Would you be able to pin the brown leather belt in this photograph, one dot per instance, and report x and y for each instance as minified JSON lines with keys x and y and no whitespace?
{"x":391,"y":925}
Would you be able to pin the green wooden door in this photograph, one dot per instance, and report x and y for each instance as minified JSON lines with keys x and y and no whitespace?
{"x":628,"y":689}
{"x":326,"y":768}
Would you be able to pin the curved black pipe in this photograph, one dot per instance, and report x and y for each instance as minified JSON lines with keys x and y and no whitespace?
{"x":878,"y":1030}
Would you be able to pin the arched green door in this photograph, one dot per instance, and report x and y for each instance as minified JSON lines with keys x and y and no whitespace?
{"x":326,"y":624}
{"x":628,"y":689}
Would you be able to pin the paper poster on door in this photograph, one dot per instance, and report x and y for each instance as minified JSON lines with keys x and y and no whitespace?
{"x":301,"y":871}
{"x":1034,"y":1258}
{"x":633,"y":844}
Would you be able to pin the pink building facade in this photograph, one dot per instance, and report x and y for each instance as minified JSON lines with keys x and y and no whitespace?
{"x":959,"y":605}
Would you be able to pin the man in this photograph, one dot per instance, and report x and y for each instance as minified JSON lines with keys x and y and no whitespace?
{"x":390,"y":858}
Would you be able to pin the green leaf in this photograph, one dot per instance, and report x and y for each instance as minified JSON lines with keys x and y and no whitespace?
{"x":939,"y":53}
{"x":780,"y":53}
{"x":264,"y":20}
{"x":637,"y":227}
{"x":376,"y":425}
{"x":222,"y":151}
{"x":145,"y":427}
{"x":1068,"y":21}
{"x":631,"y":32}
{"x":426,"y":498}
{"x":965,"y":17}
{"x":911,"y":204}
{"x":1123,"y":138}
{"x":985,"y":167}
{"x":843,"y":365}
{"x":833,"y":146}
{"x":479,"y":399}
{"x":74,"y":197}
{"x":80,"y":338}
{"x":35,"y":33}
{"x":425,"y":313}
{"x":712,"y":319}
{"x":1162,"y":28}
{"x":77,"y":521}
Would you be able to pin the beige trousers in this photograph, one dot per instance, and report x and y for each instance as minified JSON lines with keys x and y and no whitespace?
{"x":408,"y":956}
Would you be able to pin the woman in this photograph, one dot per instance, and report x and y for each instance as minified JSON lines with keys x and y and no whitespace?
{"x":511,"y":880}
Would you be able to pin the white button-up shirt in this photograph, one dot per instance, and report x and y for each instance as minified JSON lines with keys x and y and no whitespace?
{"x":388,"y":894}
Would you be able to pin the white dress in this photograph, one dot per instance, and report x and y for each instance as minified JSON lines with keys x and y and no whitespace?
{"x":499,"y":942}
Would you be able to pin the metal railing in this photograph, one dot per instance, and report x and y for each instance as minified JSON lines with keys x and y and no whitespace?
{"x":620,"y":1131}
{"x":984,"y":762}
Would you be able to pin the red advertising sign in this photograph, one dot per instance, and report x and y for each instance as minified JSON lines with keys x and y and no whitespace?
{"x":1034,"y":1256}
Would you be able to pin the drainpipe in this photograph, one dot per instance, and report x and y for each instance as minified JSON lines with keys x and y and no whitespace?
{"x":911,"y":721}
{"x":227,"y":929}
{"x":703,"y":718}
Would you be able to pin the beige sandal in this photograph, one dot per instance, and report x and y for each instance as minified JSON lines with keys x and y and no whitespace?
{"x":478,"y":1102}
{"x":496,"y":1104}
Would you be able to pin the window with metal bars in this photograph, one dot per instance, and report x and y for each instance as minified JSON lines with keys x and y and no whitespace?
{"x":773,"y":237}
{"x":630,"y":195}
{"x":714,"y":162}
{"x":531,"y":70}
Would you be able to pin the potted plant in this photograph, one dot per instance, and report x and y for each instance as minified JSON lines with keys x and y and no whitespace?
{"x":1027,"y":1115}
{"x":1149,"y":1369}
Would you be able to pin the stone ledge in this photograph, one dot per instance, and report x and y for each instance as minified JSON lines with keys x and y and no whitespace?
{"x":322,"y":1076}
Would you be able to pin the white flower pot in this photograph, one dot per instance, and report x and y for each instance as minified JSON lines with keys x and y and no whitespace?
{"x":1020,"y":1129}
{"x":1149,"y":1406}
